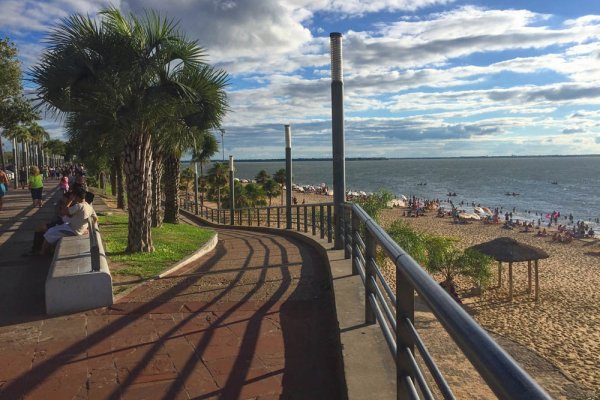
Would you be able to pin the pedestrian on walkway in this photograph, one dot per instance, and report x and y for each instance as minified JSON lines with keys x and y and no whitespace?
{"x":3,"y":187}
{"x":23,"y":177}
{"x":36,"y":186}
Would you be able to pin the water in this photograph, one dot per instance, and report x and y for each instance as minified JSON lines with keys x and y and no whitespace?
{"x":479,"y":180}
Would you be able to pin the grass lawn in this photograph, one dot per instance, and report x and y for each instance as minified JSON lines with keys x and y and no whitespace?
{"x":172,"y":243}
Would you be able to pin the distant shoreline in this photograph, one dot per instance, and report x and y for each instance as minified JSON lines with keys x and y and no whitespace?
{"x":407,"y":158}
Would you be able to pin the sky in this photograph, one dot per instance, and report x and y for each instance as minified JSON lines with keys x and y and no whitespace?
{"x":422,"y":78}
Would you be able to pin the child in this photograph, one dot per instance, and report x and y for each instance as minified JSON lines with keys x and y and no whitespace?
{"x":64,"y":184}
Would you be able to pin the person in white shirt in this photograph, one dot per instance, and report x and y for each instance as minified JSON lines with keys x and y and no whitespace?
{"x":75,"y":217}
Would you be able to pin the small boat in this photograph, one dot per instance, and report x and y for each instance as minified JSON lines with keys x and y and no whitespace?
{"x":554,"y":182}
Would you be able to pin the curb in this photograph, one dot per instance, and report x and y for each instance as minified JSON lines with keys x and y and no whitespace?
{"x":208,"y":246}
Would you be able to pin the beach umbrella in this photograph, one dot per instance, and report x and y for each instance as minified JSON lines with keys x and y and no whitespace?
{"x":469,"y":216}
{"x":505,"y":249}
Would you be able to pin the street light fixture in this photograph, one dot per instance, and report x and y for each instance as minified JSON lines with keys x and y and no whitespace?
{"x":222,"y":142}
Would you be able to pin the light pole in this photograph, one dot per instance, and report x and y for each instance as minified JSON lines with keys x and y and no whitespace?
{"x":231,"y":192}
{"x":222,"y":142}
{"x":196,"y":187}
{"x":288,"y":177}
{"x":337,"y":130}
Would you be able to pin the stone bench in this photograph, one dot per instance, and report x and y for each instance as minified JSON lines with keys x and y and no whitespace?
{"x":72,"y":284}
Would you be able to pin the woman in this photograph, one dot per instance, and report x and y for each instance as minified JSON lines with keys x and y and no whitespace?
{"x":36,"y":186}
{"x":3,"y":186}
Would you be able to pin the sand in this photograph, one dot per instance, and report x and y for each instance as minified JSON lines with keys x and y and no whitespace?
{"x":563,"y":327}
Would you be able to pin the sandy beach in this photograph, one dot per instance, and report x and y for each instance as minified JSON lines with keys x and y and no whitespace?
{"x":563,"y":327}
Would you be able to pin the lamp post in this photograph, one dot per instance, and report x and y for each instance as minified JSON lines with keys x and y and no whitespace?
{"x":231,"y":192}
{"x":288,"y":177}
{"x":222,"y":142}
{"x":16,"y":163}
{"x":337,"y":130}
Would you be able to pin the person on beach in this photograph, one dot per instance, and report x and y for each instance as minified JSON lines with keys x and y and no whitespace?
{"x":3,"y":187}
{"x":36,"y":186}
{"x":76,"y":214}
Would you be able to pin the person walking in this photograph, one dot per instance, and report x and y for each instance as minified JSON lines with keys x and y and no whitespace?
{"x":36,"y":186}
{"x":3,"y":187}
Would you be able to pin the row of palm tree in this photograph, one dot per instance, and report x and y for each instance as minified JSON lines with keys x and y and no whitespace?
{"x":137,"y":94}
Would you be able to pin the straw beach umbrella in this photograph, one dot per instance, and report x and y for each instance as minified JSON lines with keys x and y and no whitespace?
{"x":508,"y":250}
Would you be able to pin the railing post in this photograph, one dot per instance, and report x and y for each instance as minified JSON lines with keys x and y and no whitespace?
{"x":249,"y":217}
{"x":405,"y":309}
{"x":370,"y":251}
{"x":297,"y":218}
{"x":355,"y":231}
{"x":240,"y":211}
{"x":212,"y":215}
{"x":278,"y":217}
{"x":305,"y":219}
{"x":329,"y":230}
{"x":258,"y":217}
{"x":269,"y":217}
{"x":348,"y":239}
{"x":322,"y":220}
{"x":313,"y":220}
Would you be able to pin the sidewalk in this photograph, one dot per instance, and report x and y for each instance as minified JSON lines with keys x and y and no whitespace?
{"x":253,"y":319}
{"x":22,"y":278}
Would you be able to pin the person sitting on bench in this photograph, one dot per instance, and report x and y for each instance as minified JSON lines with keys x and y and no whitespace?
{"x":76,"y":217}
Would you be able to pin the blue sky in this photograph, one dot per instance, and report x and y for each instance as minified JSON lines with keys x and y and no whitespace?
{"x":423,"y":78}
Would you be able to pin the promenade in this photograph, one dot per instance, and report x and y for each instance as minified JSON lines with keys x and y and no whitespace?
{"x":252,"y":319}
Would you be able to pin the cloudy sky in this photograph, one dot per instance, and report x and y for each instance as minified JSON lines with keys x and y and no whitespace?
{"x":423,"y":78}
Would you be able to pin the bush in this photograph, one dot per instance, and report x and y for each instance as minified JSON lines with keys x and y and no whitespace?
{"x":376,"y":203}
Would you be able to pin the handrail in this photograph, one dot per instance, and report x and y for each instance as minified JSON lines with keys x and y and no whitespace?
{"x":503,"y":375}
{"x":94,"y":247}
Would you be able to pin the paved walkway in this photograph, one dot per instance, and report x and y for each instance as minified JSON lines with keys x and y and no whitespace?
{"x":253,"y":319}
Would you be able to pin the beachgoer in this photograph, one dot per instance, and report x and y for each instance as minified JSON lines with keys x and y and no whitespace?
{"x":76,"y":217}
{"x":3,"y":187}
{"x":36,"y":186}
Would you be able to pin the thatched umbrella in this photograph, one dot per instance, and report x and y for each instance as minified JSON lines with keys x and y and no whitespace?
{"x":508,"y":250}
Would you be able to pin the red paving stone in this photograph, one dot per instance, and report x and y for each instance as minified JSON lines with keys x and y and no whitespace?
{"x":227,"y":327}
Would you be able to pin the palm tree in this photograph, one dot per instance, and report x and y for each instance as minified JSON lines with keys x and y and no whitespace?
{"x":133,"y":66}
{"x":280,"y":177}
{"x":262,"y":177}
{"x":208,"y":147}
{"x":217,"y":177}
{"x":38,"y":136}
{"x":272,"y":189}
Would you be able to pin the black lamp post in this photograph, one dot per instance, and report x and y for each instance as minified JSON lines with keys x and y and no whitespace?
{"x":288,"y":176}
{"x":337,"y":130}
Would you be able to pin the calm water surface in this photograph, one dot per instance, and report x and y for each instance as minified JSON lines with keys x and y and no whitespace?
{"x":479,"y":180}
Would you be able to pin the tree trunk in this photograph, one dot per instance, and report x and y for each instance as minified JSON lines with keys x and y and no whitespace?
{"x":157,"y":218}
{"x":2,"y":156}
{"x":120,"y":182}
{"x":171,"y":188}
{"x":138,"y":168}
{"x":113,"y":177}
{"x":203,"y":187}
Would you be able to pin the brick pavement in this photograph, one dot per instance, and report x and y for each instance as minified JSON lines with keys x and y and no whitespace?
{"x":253,"y":319}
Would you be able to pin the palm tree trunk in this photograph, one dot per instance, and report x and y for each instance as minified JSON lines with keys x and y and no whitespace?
{"x":138,"y":167}
{"x":157,"y":219}
{"x":171,"y":187}
{"x":120,"y":182}
{"x":113,"y":178}
{"x":203,"y":187}
{"x":2,"y":155}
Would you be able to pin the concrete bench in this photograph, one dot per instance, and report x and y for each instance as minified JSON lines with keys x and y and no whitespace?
{"x":79,"y":278}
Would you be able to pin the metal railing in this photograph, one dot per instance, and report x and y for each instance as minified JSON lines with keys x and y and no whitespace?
{"x":365,"y":242}
{"x":316,"y":219}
